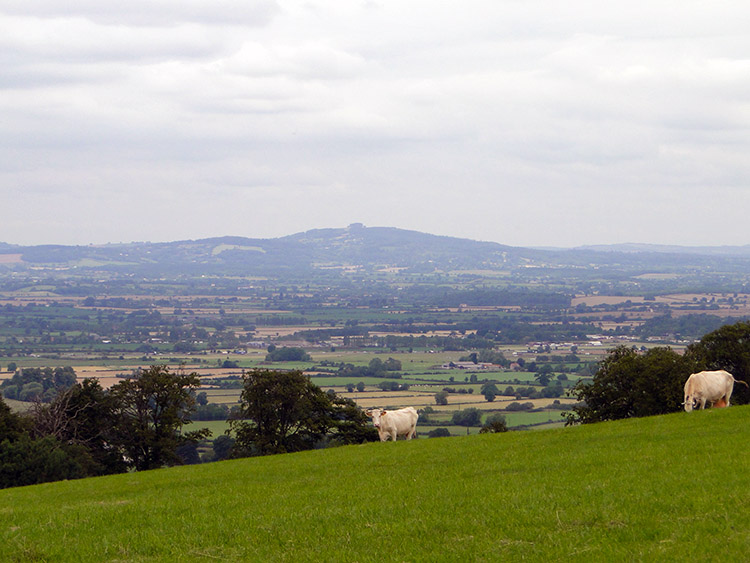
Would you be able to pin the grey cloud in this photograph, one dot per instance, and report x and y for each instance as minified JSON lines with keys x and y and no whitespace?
{"x":520,"y":122}
{"x":149,"y":13}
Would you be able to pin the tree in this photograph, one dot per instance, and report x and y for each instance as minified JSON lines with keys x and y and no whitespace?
{"x":631,"y":384}
{"x":287,"y":354}
{"x":12,"y":425}
{"x":283,"y":412}
{"x":424,"y":415}
{"x":726,"y":348}
{"x":392,"y":364}
{"x":467,"y":417}
{"x":441,"y":398}
{"x":26,"y":461}
{"x":544,"y":374}
{"x":490,"y":391}
{"x":152,"y":407}
{"x":495,"y":423}
{"x":376,"y":367}
{"x":84,"y":415}
{"x":439,"y":433}
{"x":351,"y":424}
{"x":223,"y":447}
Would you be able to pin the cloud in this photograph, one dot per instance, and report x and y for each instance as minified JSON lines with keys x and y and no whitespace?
{"x":520,"y":122}
{"x":149,"y":13}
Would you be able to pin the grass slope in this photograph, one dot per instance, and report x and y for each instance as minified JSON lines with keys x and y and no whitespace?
{"x":661,"y":488}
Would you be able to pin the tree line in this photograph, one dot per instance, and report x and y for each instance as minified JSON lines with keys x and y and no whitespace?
{"x":139,"y":424}
{"x":631,"y":383}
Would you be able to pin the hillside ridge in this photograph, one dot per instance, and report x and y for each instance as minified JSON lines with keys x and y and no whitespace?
{"x":366,"y":249}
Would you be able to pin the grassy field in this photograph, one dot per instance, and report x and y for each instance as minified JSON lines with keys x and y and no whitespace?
{"x":663,"y":488}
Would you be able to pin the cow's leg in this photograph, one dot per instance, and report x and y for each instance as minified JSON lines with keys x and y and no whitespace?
{"x":703,"y":403}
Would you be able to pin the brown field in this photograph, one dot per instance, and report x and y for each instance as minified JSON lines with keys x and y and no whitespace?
{"x":456,"y":401}
{"x":10,"y":258}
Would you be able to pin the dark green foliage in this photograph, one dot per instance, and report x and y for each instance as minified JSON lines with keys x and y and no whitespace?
{"x":188,"y":453}
{"x":685,"y":326}
{"x":632,"y":384}
{"x":31,"y":384}
{"x":490,"y":391}
{"x":393,"y":386}
{"x":211,"y":411}
{"x":495,"y":422}
{"x":223,"y":447}
{"x":12,"y":425}
{"x":515,"y":406}
{"x":288,"y":354}
{"x":424,"y":415}
{"x":441,"y":398}
{"x":439,"y":433}
{"x":152,"y":408}
{"x":376,"y":368}
{"x":489,"y":356}
{"x":727,"y":348}
{"x":285,"y":412}
{"x":467,"y":417}
{"x":28,"y":462}
{"x":350,"y":424}
{"x":87,"y":416}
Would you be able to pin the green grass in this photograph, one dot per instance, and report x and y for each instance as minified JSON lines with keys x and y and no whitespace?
{"x":217,"y":427}
{"x":664,"y":488}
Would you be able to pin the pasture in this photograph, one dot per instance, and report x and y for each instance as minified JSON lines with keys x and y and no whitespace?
{"x":660,"y":488}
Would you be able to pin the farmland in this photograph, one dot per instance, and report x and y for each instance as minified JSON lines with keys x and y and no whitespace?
{"x":220,"y":336}
{"x":453,"y":315}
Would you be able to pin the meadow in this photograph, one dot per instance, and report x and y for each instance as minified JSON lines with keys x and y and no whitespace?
{"x":665,"y":488}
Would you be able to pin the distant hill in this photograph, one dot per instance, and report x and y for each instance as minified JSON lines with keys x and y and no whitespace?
{"x":671,"y":249}
{"x":357,"y":248}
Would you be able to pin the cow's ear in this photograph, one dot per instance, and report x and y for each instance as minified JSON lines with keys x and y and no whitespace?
{"x":382,"y":412}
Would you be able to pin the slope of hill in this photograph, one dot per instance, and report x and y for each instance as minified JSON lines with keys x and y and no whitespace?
{"x":365,"y":249}
{"x":660,"y":488}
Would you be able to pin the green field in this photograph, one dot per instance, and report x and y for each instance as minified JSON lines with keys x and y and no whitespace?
{"x":666,"y":488}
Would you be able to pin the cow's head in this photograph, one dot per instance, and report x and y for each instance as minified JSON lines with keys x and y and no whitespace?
{"x":690,"y":402}
{"x":375,"y":416}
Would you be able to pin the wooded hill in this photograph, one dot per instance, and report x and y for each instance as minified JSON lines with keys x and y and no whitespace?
{"x":363,"y":250}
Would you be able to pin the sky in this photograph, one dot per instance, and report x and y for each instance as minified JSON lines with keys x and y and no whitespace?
{"x":522,"y":122}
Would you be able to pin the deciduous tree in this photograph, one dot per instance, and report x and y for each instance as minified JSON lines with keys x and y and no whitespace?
{"x":153,"y":406}
{"x":632,"y":384}
{"x":285,"y":412}
{"x":726,"y":348}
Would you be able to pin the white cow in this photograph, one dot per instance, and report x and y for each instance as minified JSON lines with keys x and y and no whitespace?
{"x":402,"y":422}
{"x":714,"y":387}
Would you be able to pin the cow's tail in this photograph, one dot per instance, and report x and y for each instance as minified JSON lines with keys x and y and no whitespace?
{"x":743,"y":382}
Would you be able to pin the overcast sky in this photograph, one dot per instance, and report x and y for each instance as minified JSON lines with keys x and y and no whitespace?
{"x":523,"y":122}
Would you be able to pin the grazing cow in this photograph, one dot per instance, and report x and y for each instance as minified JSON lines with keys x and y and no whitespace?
{"x":402,"y":422}
{"x":714,"y":387}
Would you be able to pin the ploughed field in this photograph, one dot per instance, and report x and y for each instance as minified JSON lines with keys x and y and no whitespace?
{"x":660,"y":488}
